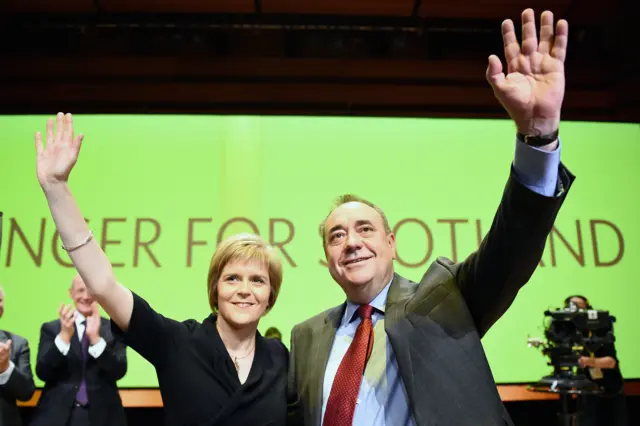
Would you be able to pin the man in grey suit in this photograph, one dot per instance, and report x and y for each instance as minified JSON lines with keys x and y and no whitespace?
{"x":403,"y":353}
{"x":16,"y":378}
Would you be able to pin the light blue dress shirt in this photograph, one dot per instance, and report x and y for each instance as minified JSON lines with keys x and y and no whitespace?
{"x":383,"y":399}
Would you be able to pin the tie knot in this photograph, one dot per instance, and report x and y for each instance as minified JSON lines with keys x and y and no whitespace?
{"x":365,"y":311}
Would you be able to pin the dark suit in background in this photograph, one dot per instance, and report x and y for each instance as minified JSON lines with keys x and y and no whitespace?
{"x":435,"y":326}
{"x":19,"y":385}
{"x":62,"y":376}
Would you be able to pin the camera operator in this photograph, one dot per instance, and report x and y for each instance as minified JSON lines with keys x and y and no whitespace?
{"x":608,"y":408}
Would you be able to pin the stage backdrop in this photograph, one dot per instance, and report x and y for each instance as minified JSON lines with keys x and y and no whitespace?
{"x":160,"y":191}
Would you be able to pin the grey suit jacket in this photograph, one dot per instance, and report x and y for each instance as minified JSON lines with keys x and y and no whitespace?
{"x":20,"y":385}
{"x":435,"y":326}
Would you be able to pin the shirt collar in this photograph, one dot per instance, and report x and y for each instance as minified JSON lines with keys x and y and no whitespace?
{"x":79,"y":318}
{"x":378,"y":303}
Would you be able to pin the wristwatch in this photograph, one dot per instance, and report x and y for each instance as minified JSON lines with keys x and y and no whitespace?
{"x":540,"y":140}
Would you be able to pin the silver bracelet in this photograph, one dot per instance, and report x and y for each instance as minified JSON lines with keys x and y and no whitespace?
{"x":84,"y":243}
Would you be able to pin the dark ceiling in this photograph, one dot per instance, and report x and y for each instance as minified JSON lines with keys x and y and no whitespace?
{"x":347,"y":57}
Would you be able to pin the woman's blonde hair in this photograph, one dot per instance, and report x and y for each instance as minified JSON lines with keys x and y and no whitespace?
{"x":243,"y":248}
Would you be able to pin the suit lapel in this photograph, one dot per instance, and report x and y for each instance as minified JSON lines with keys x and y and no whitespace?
{"x":400,"y":291}
{"x":322,"y":342}
{"x":75,"y":343}
{"x":104,"y":328}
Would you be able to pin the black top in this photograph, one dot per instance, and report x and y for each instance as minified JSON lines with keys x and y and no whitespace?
{"x":198,"y":380}
{"x":611,"y":382}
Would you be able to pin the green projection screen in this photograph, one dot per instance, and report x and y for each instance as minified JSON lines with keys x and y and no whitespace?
{"x":160,"y":191}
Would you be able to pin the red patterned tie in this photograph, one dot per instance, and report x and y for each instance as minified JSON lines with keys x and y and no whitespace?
{"x":346,"y":385}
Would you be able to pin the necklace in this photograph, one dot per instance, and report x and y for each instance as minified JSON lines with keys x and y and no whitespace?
{"x":235,"y":359}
